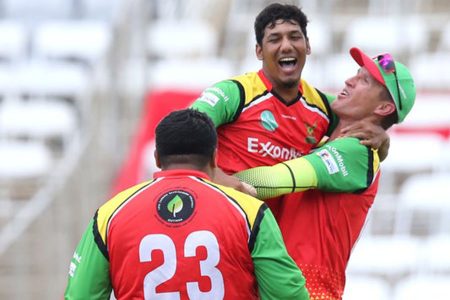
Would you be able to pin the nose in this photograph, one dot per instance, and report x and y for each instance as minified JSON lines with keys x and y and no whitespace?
{"x":350,"y":81}
{"x":286,"y":44}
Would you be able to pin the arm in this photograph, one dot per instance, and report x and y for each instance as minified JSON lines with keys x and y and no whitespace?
{"x":89,"y":271}
{"x":277,"y":274}
{"x":370,"y":135}
{"x":222,"y":102}
{"x":342,"y":165}
{"x":233,"y":182}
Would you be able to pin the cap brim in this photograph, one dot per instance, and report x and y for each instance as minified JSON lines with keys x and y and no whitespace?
{"x":365,"y":61}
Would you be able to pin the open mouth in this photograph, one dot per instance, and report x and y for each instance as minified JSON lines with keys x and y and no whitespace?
{"x":344,"y":93}
{"x":287,"y":62}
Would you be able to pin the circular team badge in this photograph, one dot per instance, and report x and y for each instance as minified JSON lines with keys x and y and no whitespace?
{"x":268,"y":120}
{"x":175,"y":206}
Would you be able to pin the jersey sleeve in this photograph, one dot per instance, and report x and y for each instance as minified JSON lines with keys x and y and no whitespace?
{"x":222,"y":102}
{"x":287,"y":177}
{"x":89,"y":270}
{"x":344,"y":165}
{"x":277,"y":274}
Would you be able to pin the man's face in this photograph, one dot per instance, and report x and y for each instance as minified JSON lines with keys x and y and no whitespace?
{"x":360,"y":97}
{"x":283,"y":52}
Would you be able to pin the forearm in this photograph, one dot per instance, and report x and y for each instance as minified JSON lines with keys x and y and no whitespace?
{"x":292,"y":176}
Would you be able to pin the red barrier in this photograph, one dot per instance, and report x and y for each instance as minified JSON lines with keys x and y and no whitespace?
{"x":158,"y":104}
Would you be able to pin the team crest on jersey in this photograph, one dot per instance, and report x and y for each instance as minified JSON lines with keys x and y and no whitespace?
{"x":268,"y":120}
{"x":310,"y":139}
{"x":175,"y":206}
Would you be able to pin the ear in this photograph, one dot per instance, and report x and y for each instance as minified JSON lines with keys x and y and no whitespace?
{"x":308,"y":47}
{"x":258,"y":51}
{"x":157,"y":160}
{"x":213,"y":162}
{"x":385,"y":108}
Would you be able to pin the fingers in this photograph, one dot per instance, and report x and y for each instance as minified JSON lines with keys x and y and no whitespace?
{"x":248,"y":189}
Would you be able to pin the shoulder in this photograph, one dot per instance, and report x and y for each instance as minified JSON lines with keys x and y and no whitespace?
{"x":251,"y":84}
{"x":108,"y":209}
{"x":250,"y":206}
{"x":316,"y":98}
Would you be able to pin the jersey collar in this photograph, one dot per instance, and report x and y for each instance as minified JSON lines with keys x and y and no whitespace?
{"x":268,"y":84}
{"x":180,"y":172}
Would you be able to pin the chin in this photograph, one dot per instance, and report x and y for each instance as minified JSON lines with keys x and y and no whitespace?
{"x":291,"y":83}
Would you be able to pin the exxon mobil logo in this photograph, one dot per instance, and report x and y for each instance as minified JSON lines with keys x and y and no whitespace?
{"x":268,"y":148}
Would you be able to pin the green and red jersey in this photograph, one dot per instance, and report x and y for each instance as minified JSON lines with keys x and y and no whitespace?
{"x":183,"y":237}
{"x":320,"y":227}
{"x":320,"y":230}
{"x":256,"y":127}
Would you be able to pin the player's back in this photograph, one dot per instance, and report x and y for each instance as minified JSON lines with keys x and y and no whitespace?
{"x":182,"y":235}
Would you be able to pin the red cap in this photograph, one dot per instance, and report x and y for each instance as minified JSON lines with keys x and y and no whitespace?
{"x":364,"y":61}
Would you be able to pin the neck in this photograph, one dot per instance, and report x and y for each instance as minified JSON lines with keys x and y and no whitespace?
{"x":288,"y":94}
{"x":343,"y":123}
{"x":207,"y":169}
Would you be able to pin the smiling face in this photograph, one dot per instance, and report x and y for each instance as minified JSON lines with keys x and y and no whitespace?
{"x":362,"y":97}
{"x":283,"y":52}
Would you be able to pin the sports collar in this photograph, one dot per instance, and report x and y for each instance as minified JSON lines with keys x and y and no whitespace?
{"x":268,"y":84}
{"x":180,"y":172}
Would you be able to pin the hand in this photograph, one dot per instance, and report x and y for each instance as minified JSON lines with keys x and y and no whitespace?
{"x":367,"y":132}
{"x":370,"y":135}
{"x":231,"y":181}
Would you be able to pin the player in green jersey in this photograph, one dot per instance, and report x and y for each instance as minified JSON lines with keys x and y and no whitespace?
{"x":180,"y":236}
{"x":321,"y":228}
{"x":382,"y":92}
{"x":273,"y":115}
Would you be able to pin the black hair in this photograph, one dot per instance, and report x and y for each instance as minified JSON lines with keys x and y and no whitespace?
{"x":186,"y":136}
{"x":275,"y":12}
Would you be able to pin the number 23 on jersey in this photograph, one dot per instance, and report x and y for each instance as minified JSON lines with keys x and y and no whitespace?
{"x":164,"y":272}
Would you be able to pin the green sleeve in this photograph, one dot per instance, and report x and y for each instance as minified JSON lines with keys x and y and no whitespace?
{"x":288,"y":177}
{"x":222,"y":102}
{"x":89,"y":271}
{"x":344,"y":165}
{"x":277,"y":274}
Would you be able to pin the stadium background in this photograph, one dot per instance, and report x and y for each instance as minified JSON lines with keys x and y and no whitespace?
{"x":82,"y":82}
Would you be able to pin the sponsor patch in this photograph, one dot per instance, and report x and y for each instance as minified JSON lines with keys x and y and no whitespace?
{"x":329,"y":161}
{"x":339,"y":159}
{"x":209,"y":98}
{"x":268,"y":120}
{"x":254,"y":145}
{"x":175,"y":206}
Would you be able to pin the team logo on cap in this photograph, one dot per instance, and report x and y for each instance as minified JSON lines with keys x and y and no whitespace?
{"x":175,"y":206}
{"x":268,"y":120}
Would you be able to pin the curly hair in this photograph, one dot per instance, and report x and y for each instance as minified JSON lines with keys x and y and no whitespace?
{"x":275,"y":12}
{"x":186,"y":136}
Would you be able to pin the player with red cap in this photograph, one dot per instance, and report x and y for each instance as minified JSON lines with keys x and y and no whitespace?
{"x":321,"y":225}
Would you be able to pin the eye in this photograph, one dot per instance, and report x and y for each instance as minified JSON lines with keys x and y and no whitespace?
{"x":273,"y":39}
